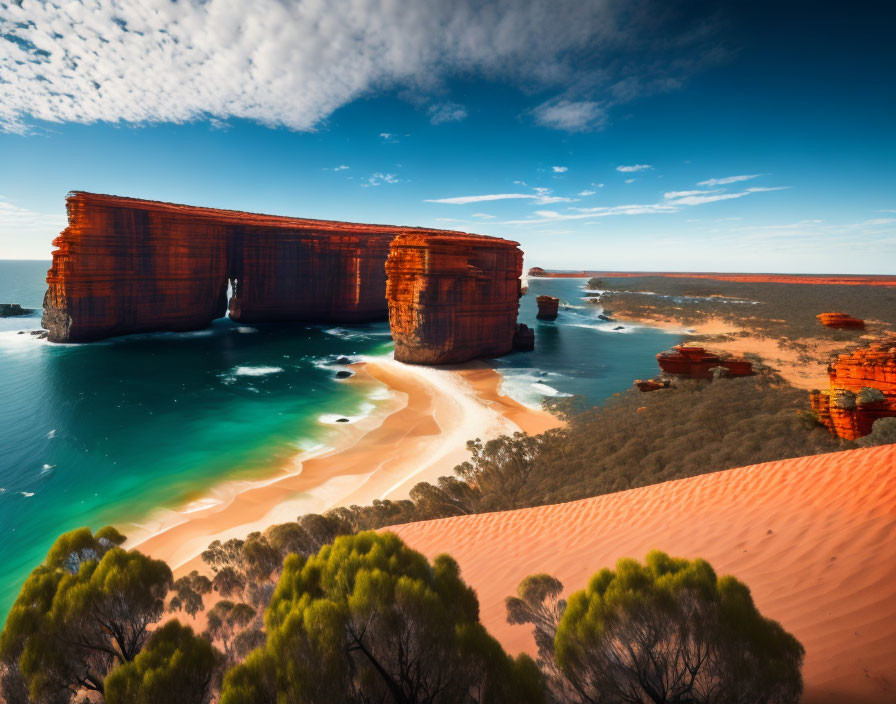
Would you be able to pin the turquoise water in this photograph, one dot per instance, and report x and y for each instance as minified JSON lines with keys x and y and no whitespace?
{"x":108,"y":432}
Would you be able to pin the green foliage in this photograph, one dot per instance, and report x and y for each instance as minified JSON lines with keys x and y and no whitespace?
{"x":189,"y":591}
{"x":175,"y":667}
{"x":670,"y":630}
{"x":81,"y":613}
{"x":883,"y":432}
{"x":368,"y":619}
{"x":869,"y":394}
{"x":225,"y":621}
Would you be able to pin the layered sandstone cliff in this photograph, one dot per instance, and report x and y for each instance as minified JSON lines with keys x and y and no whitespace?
{"x":547,"y":307}
{"x":840,"y":320}
{"x":452,"y":297}
{"x":697,"y":363}
{"x":863,"y":389}
{"x":125,"y":265}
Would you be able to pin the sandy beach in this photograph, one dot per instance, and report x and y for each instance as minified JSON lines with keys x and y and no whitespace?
{"x":419,"y":434}
{"x":813,"y":537}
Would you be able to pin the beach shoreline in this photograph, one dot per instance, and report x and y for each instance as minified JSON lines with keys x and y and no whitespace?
{"x":418,"y":434}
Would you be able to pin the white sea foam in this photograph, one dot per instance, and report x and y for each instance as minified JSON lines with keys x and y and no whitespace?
{"x":27,"y":494}
{"x":246,"y":330}
{"x":51,"y":434}
{"x":546,"y":390}
{"x":256,"y":371}
{"x":335,"y":419}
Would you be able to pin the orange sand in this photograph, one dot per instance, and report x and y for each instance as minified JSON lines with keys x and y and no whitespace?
{"x":420,"y":436}
{"x":813,"y":537}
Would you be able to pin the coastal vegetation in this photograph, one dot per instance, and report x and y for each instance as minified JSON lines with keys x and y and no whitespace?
{"x":668,"y":630}
{"x":365,"y":618}
{"x":779,"y":310}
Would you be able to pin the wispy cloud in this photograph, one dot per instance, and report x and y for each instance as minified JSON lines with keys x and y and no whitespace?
{"x":634,"y":167}
{"x":484,"y":216}
{"x":446,"y":112}
{"x":380,"y":178}
{"x":683,"y":194}
{"x":728,"y":179}
{"x":463,"y":200}
{"x":542,"y":196}
{"x":629,"y":180}
{"x":25,"y":233}
{"x":341,"y":167}
{"x":571,"y":116}
{"x":388,"y":137}
{"x":560,"y":169}
{"x":587,"y":193}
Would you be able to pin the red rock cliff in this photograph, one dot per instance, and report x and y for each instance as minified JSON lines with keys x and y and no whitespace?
{"x":840,"y":320}
{"x":863,"y":389}
{"x":125,"y":265}
{"x":452,"y":297}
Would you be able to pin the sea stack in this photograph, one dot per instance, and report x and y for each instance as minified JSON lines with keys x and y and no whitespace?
{"x":452,"y":297}
{"x":547,"y":307}
{"x":841,"y":321}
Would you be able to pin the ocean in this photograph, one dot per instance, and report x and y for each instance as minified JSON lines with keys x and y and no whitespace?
{"x":114,"y":431}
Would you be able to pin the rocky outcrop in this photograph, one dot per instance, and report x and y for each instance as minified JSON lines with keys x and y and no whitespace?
{"x":12,"y":310}
{"x":125,"y":265}
{"x":840,"y":320}
{"x":862,"y":389}
{"x":452,"y":297}
{"x":547,"y":307}
{"x":536,"y":271}
{"x":523,"y":338}
{"x":646,"y":385}
{"x":697,"y":363}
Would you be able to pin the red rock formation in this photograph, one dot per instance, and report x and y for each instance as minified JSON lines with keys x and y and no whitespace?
{"x":697,"y":363}
{"x":547,"y":307}
{"x":452,"y":297}
{"x":863,"y":389}
{"x":125,"y":265}
{"x":840,"y":320}
{"x":646,"y":385}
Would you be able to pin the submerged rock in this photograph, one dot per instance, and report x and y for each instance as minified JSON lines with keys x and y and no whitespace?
{"x":343,"y":374}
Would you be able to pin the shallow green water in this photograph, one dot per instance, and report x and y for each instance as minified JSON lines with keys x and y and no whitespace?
{"x":109,"y":432}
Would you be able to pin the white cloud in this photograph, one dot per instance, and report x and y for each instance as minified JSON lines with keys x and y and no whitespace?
{"x":484,"y":216}
{"x":587,"y":193}
{"x":682,"y":194}
{"x":341,"y":167}
{"x":388,"y":137}
{"x":26,"y":234}
{"x":560,"y":169}
{"x":629,"y":180}
{"x":379,"y":178}
{"x":728,"y":179}
{"x":463,"y":200}
{"x":633,"y":167}
{"x":446,"y":112}
{"x":293,"y":63}
{"x":542,"y":196}
{"x":570,"y":115}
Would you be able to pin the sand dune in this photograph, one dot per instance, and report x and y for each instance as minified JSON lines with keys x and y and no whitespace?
{"x":813,"y":537}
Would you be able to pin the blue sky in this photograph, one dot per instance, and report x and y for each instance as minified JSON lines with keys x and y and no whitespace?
{"x":704,"y":137}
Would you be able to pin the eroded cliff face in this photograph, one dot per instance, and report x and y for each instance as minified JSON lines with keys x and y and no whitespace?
{"x":124,"y":266}
{"x":697,"y":363}
{"x":863,"y":389}
{"x":452,"y":297}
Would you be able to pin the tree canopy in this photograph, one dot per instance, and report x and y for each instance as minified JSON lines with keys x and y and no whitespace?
{"x":175,"y":667}
{"x":81,"y":613}
{"x":367,"y":619}
{"x":670,"y":630}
